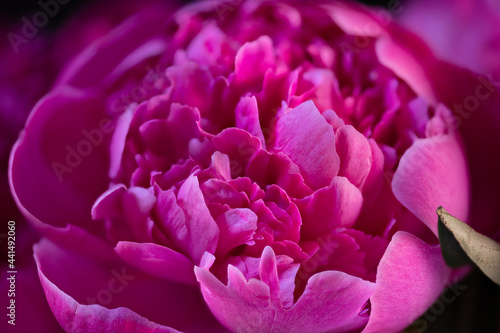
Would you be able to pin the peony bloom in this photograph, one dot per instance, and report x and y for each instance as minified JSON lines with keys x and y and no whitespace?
{"x":259,"y":166}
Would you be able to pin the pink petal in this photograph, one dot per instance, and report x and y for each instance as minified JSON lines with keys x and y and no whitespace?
{"x":332,"y":302}
{"x":202,"y":229}
{"x":116,"y":292}
{"x":109,"y":204}
{"x":206,"y":48}
{"x":433,"y":173}
{"x":247,"y":117}
{"x":337,"y":205}
{"x":405,"y":54}
{"x":237,"y":227}
{"x":157,"y":260}
{"x":137,"y":204}
{"x":241,"y":305}
{"x":253,"y":60}
{"x":462,"y":32}
{"x":32,"y":312}
{"x":117,"y":145}
{"x":355,"y":155}
{"x":190,"y":85}
{"x":266,"y":168}
{"x":239,"y":145}
{"x":94,"y":64}
{"x":373,"y":182}
{"x":50,"y":179}
{"x":305,"y":136}
{"x":410,"y":276}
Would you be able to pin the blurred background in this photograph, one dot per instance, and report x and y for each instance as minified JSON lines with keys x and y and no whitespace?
{"x":475,"y":307}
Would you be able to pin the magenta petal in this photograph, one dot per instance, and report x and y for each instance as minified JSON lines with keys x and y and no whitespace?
{"x":335,"y":206}
{"x":202,"y":229}
{"x":94,"y":64}
{"x":157,"y":260}
{"x":373,"y":182}
{"x":241,"y":306}
{"x":109,"y":204}
{"x":237,"y":227}
{"x":171,"y":219}
{"x":75,"y":317}
{"x":410,"y":276}
{"x":404,"y":53}
{"x":117,"y":144}
{"x":355,"y":155}
{"x":239,"y":145}
{"x":331,"y":302}
{"x":137,"y":204}
{"x":305,"y":136}
{"x":55,"y":169}
{"x":247,"y":117}
{"x":206,"y":47}
{"x":441,"y":181}
{"x":253,"y":60}
{"x":115,"y":285}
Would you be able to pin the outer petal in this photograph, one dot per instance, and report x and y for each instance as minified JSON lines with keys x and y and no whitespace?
{"x":463,"y":32}
{"x":410,"y":276}
{"x":125,"y":296}
{"x":433,"y":172}
{"x":133,"y":43}
{"x":75,"y":317}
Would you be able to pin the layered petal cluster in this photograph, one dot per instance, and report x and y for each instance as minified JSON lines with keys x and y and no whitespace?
{"x":265,"y":166}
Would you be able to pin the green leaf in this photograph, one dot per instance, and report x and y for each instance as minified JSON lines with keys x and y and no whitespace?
{"x":461,"y":244}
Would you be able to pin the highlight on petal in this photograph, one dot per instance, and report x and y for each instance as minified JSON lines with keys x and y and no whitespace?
{"x":305,"y":136}
{"x":441,"y":180}
{"x":410,"y":277}
{"x":253,"y":60}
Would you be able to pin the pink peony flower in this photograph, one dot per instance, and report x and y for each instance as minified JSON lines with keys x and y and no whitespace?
{"x":254,"y":166}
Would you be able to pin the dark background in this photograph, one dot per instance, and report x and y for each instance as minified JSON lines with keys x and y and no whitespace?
{"x":16,"y":9}
{"x":476,"y":309}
